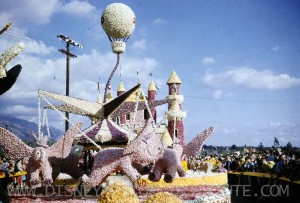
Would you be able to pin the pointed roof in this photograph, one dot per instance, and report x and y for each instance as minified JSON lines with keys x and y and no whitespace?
{"x":121,"y":87}
{"x":151,"y":86}
{"x":173,"y":79}
{"x":106,"y":131}
{"x":166,"y":137}
{"x":109,"y":97}
{"x":99,"y":99}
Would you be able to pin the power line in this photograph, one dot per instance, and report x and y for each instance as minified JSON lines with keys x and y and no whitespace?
{"x":235,"y":100}
{"x":68,"y":42}
{"x":20,"y":37}
{"x":17,"y":32}
{"x":30,"y":37}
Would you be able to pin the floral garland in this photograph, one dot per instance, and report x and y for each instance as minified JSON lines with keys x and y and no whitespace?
{"x":8,"y":55}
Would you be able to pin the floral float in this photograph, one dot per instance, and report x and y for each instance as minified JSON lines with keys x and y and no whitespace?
{"x":169,"y":164}
{"x":145,"y":149}
{"x":45,"y":163}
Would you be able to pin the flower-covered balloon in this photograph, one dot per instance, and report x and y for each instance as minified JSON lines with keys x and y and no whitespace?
{"x":118,"y":21}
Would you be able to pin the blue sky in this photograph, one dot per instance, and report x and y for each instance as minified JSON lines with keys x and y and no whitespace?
{"x":238,"y":61}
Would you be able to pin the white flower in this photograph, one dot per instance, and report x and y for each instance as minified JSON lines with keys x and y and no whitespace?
{"x":118,"y":20}
{"x":8,"y":55}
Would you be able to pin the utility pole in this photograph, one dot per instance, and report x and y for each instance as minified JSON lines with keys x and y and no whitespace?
{"x":69,"y":42}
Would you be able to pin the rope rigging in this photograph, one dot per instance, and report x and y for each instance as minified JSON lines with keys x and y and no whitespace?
{"x":60,"y":113}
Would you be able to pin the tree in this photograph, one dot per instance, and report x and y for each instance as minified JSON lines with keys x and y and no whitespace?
{"x":289,"y":146}
{"x":233,"y":147}
{"x":260,"y":146}
{"x":276,"y":142}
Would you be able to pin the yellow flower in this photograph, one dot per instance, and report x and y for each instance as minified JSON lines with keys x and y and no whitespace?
{"x":163,"y":197}
{"x":184,"y":165}
{"x":215,"y":179}
{"x":117,"y":193}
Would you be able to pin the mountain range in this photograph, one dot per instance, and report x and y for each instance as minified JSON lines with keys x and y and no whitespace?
{"x":23,"y":128}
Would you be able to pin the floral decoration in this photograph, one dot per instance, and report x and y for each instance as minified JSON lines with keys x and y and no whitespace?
{"x":8,"y":55}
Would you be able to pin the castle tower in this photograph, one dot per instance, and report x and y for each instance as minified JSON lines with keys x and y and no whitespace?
{"x":175,"y":115}
{"x":151,"y":97}
{"x":121,"y":90}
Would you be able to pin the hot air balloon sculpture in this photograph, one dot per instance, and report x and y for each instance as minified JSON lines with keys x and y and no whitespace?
{"x":118,"y":21}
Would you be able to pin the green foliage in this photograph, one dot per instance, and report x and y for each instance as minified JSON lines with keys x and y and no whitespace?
{"x":260,"y":146}
{"x":233,"y":147}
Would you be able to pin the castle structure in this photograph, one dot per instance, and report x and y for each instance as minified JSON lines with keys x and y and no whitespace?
{"x":174,"y":114}
{"x":118,"y":129}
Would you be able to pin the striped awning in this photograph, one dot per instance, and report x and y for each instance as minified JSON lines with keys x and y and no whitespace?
{"x":106,"y":131}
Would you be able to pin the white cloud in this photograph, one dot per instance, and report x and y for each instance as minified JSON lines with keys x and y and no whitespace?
{"x":208,"y":60}
{"x":217,"y":94}
{"x":49,"y":74}
{"x":35,"y":47}
{"x":80,"y":9}
{"x":41,"y":11}
{"x":278,"y":124}
{"x":272,"y":124}
{"x":32,"y":11}
{"x":251,"y":78}
{"x":140,"y":45}
{"x":229,"y":130}
{"x":31,"y":46}
{"x":284,"y":131}
{"x":159,"y":21}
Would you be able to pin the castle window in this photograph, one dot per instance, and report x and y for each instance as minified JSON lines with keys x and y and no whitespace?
{"x":146,"y":114}
{"x":128,"y":116}
{"x":176,"y":133}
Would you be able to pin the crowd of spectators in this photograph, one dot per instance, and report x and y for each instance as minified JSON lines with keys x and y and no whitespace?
{"x":13,"y":169}
{"x":274,"y":161}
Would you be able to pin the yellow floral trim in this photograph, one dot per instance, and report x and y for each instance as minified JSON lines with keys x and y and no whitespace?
{"x":163,"y":197}
{"x":216,"y":179}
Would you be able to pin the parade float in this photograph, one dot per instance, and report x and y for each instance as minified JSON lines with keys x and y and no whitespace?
{"x":127,"y":152}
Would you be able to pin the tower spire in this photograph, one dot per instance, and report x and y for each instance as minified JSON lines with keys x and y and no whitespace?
{"x":175,"y":115}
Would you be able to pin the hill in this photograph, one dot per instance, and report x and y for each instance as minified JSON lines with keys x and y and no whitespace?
{"x":23,"y":128}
